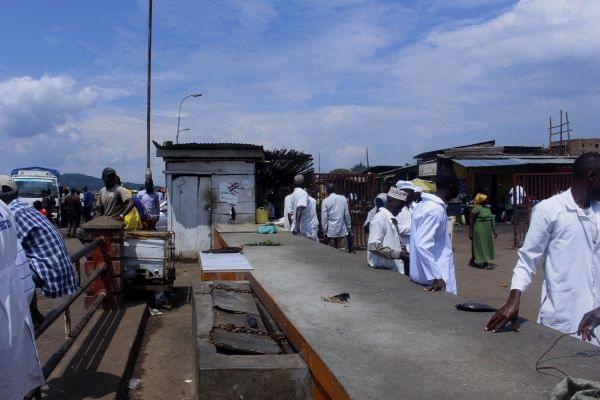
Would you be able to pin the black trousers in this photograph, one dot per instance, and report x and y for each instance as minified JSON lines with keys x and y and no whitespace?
{"x":72,"y":224}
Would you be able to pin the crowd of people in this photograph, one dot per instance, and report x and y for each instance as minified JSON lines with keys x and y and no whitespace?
{"x":33,"y":255}
{"x":409,"y":233}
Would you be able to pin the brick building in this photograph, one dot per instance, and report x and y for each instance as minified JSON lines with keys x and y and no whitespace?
{"x":576,"y":147}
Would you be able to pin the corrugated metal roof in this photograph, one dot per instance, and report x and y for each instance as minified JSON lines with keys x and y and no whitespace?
{"x":511,"y":162}
{"x":207,"y":146}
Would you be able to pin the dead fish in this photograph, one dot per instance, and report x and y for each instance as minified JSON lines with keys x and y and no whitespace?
{"x":474,"y":306}
{"x":338,"y":298}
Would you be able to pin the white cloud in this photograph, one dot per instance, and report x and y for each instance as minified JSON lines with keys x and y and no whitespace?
{"x":29,"y":106}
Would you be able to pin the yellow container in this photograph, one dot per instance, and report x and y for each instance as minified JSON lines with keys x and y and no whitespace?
{"x":262,"y":215}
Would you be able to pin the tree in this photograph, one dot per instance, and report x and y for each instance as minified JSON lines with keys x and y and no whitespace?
{"x":358,"y":168}
{"x":340,"y":171}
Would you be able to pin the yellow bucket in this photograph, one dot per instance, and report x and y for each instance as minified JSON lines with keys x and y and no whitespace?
{"x":262,"y":215}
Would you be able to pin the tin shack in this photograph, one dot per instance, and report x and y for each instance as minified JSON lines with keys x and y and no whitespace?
{"x":207,"y":184}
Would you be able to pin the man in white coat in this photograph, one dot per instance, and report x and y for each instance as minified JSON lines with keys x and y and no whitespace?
{"x":379,"y":201}
{"x":302,"y":211}
{"x":563,"y":231}
{"x":405,"y":215}
{"x":385,"y":248}
{"x":287,"y":217}
{"x":431,"y":256}
{"x":335,"y":217}
{"x":20,"y":369}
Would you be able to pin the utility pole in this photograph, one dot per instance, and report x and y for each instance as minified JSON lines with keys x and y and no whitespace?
{"x":319,"y":156}
{"x":149,"y":91}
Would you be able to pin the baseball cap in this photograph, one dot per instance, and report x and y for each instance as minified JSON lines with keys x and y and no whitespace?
{"x":7,"y":185}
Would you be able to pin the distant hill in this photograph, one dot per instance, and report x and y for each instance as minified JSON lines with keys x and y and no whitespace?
{"x":94,"y":184}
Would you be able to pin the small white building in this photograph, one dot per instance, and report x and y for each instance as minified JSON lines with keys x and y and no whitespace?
{"x":206,"y":184}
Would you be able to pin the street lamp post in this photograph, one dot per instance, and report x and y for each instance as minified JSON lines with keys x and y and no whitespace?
{"x":179,"y":115}
{"x":181,"y":130}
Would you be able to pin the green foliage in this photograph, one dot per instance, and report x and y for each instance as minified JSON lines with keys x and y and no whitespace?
{"x":359,"y":168}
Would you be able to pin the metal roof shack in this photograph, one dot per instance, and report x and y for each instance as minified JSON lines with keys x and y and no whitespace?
{"x":512,"y":161}
{"x":221,"y":151}
{"x":208,"y":184}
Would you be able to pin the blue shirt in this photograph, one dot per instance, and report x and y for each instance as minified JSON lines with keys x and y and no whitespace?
{"x":88,"y":199}
{"x":151,"y":203}
{"x":46,"y":250}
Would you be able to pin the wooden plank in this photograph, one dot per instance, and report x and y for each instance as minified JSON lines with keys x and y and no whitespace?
{"x":232,"y":285}
{"x":224,"y":276}
{"x":213,"y":167}
{"x":234,"y":302}
{"x":245,"y":343}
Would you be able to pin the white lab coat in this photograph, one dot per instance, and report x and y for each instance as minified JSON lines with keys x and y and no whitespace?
{"x":298,"y":198}
{"x":431,"y":254}
{"x":382,"y":230}
{"x":404,"y":219}
{"x":287,"y":205}
{"x":20,"y":369}
{"x":370,"y":216}
{"x":563,"y":235}
{"x":335,"y":216}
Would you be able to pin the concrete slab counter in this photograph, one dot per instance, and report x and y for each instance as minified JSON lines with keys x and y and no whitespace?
{"x":393,"y":340}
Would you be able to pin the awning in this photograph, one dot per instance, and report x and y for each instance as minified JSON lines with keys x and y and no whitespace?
{"x":511,"y":162}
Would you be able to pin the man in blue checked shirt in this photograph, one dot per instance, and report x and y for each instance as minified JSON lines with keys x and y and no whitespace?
{"x":43,"y":244}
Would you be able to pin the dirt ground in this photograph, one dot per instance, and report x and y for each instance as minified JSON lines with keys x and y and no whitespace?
{"x":165,"y":360}
{"x":492,"y":287}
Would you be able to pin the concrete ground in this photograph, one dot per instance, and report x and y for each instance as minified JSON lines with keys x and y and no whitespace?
{"x":393,"y":337}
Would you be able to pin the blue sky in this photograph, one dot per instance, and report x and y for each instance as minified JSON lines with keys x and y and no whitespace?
{"x":329,"y":77}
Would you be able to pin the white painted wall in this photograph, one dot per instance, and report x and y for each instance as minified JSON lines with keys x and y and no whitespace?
{"x":194,"y":184}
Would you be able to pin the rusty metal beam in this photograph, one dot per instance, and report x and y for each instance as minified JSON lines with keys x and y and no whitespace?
{"x":86,"y":249}
{"x":57,"y":312}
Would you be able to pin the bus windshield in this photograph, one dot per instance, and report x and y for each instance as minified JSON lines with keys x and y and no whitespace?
{"x":35,"y":188}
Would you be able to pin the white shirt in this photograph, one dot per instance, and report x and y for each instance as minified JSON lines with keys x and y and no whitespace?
{"x":299,"y":198}
{"x":309,"y":224}
{"x":404,"y":219}
{"x":287,"y":205}
{"x":20,"y":369}
{"x":335,"y":216}
{"x":562,"y":234}
{"x":519,"y":196}
{"x":382,"y":230}
{"x":370,"y":216}
{"x":431,"y":254}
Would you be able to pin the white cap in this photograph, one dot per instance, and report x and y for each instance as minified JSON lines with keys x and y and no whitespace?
{"x":397,"y":194}
{"x":7,"y":185}
{"x":382,"y":196}
{"x":299,"y":179}
{"x":406,"y":185}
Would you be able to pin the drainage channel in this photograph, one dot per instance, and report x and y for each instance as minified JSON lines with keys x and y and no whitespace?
{"x":241,"y":352}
